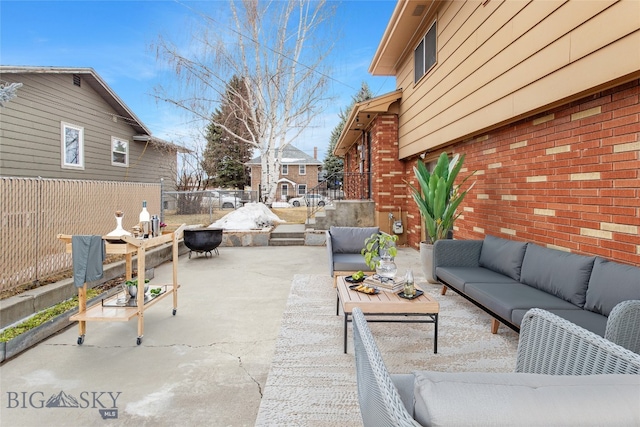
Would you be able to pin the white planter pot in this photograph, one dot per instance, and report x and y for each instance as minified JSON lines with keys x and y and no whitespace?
{"x":426,"y":257}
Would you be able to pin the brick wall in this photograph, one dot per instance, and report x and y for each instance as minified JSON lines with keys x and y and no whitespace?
{"x":568,"y":178}
{"x":310,"y":178}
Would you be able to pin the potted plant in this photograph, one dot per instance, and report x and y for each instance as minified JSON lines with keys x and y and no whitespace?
{"x":379,"y":251}
{"x":438,"y":199}
{"x":132,"y":286}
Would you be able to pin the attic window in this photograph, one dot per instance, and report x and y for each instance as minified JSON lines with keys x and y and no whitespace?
{"x":76,"y":80}
{"x":425,"y":54}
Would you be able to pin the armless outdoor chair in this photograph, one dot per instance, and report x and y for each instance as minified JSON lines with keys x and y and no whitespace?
{"x":343,"y":249}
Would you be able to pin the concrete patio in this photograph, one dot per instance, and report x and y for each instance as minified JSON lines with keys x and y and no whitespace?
{"x":208,"y":365}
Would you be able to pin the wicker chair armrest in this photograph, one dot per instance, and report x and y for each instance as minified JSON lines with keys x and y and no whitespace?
{"x":623,"y":325}
{"x":456,"y":253}
{"x":549,"y":344}
{"x":380,"y":403}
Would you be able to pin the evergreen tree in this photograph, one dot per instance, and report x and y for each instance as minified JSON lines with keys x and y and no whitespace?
{"x":225,"y":156}
{"x":334,"y":166}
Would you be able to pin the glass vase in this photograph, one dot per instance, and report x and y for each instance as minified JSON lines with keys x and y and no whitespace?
{"x":386,"y":268}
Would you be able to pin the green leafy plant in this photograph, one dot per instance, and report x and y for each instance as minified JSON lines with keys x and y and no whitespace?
{"x":134,"y":282}
{"x":43,"y":317}
{"x":437,"y":197}
{"x":378,"y":245}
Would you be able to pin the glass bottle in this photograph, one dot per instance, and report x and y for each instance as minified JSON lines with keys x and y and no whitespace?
{"x":145,"y":219}
{"x":409,"y":287}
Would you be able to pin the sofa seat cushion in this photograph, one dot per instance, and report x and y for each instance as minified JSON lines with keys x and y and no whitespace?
{"x":458,"y":277}
{"x":611,"y":283}
{"x":502,"y":255}
{"x":518,"y":399}
{"x":562,"y":274}
{"x":594,"y":322}
{"x":350,"y":240}
{"x":349,"y":262}
{"x":503,"y":298}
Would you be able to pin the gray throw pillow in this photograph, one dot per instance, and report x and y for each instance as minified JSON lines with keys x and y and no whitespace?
{"x":558,"y":273}
{"x":350,"y":240}
{"x":611,"y":283}
{"x":503,"y":256}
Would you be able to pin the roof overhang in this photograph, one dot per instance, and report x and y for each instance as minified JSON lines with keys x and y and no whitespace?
{"x":360,"y":118}
{"x":95,"y":82}
{"x":405,"y":25}
{"x":281,"y":180}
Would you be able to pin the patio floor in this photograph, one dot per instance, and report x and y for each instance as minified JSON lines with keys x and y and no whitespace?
{"x":208,"y":365}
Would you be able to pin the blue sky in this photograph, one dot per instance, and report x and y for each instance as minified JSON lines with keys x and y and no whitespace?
{"x":115,"y":38}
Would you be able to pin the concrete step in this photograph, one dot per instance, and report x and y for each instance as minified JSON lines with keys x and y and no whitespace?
{"x":286,"y":241}
{"x":287,"y":235}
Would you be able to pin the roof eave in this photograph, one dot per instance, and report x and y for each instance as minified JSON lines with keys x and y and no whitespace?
{"x":95,"y":81}
{"x":401,"y":30}
{"x":360,"y":117}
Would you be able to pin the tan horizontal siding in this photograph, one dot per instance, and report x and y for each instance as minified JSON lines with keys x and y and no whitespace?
{"x":490,"y":58}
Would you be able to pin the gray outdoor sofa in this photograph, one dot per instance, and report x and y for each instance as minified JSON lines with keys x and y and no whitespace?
{"x":564,"y":375}
{"x":506,"y":278}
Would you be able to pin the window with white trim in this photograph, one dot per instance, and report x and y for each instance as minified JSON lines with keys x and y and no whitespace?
{"x":302,"y":169}
{"x":424,"y":55}
{"x":302,"y":189}
{"x":72,"y":146}
{"x":285,"y":169}
{"x":119,"y":152}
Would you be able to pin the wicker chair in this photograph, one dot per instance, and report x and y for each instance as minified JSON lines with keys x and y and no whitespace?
{"x":548,"y":344}
{"x":623,"y":325}
{"x":380,"y":403}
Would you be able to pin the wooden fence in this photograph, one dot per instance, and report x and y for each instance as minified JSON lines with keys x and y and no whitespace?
{"x":34,"y":210}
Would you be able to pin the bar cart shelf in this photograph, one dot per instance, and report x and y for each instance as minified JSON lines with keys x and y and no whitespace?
{"x":110,"y":309}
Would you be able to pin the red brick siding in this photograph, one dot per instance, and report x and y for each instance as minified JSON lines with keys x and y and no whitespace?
{"x":310,"y":179}
{"x":568,"y":178}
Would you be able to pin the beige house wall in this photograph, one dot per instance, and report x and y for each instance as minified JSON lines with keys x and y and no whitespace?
{"x":499,"y":61}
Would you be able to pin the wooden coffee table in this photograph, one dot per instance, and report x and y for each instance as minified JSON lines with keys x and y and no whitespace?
{"x":423,"y":309}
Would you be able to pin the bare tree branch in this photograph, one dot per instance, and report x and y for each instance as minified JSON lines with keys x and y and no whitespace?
{"x":271,"y":49}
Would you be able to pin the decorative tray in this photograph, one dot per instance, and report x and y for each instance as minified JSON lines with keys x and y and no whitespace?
{"x":418,"y":293}
{"x":350,"y":279}
{"x":362,"y":288}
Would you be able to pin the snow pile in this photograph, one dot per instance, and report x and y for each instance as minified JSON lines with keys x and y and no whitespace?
{"x":251,"y":216}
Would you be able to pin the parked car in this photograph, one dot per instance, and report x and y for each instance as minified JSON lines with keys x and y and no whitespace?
{"x":225,"y":201}
{"x":309,"y":200}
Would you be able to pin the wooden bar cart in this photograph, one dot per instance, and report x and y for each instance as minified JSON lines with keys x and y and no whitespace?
{"x":110,"y":309}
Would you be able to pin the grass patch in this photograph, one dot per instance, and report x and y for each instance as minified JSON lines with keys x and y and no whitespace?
{"x":44,"y":316}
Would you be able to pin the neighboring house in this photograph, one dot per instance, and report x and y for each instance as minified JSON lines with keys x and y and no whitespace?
{"x":299,"y":173}
{"x":68,"y":123}
{"x":542,"y":97}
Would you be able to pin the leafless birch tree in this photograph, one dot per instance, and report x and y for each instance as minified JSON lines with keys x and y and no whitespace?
{"x":276,"y":48}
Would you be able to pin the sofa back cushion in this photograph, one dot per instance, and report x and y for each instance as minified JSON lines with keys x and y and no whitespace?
{"x":611,"y":283}
{"x":350,"y":240}
{"x":558,"y":273}
{"x":502,"y":255}
{"x":517,"y":399}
